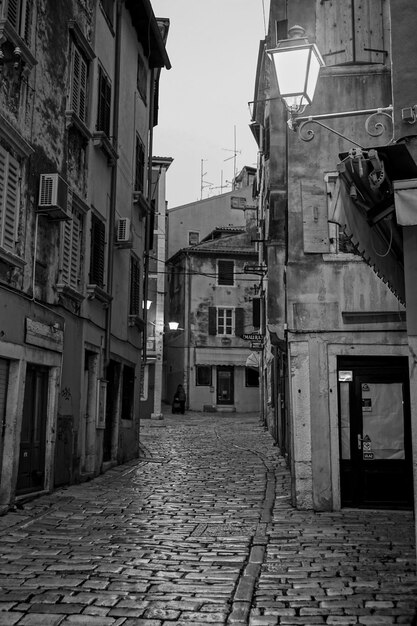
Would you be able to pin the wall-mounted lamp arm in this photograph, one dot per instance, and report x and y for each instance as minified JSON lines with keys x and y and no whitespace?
{"x":373,"y":126}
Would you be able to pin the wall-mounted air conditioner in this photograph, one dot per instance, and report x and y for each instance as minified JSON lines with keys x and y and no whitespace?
{"x":123,"y":230}
{"x":53,"y":197}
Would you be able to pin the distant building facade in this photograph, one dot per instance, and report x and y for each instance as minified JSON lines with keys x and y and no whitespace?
{"x":211,"y":297}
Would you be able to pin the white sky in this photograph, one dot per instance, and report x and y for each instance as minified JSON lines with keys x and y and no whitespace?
{"x":213,"y":48}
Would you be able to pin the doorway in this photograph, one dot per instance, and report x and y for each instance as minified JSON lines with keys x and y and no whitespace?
{"x":31,"y":473}
{"x":225,"y":384}
{"x":375,"y":433}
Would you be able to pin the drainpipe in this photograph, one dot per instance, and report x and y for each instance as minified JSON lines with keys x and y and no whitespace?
{"x":113,"y":184}
{"x":188,"y":330}
{"x":148,"y":221}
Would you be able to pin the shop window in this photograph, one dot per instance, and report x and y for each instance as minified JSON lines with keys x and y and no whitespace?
{"x":203,"y":376}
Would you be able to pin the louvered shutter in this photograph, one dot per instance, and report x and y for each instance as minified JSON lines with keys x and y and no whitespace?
{"x":212,"y":320}
{"x":239,"y":322}
{"x":104,"y":103}
{"x":25,"y":25}
{"x":66,"y":252}
{"x":79,"y":85}
{"x":97,"y":251}
{"x":134,"y":287}
{"x":9,"y":197}
{"x":13,"y":13}
{"x":256,"y":312}
{"x":75,"y":251}
{"x":225,"y":272}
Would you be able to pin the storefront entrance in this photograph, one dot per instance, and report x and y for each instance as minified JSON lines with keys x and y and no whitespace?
{"x":375,"y":433}
{"x":31,"y":474}
{"x":225,"y":385}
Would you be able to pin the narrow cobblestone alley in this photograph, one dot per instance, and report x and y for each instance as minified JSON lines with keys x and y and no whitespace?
{"x":200,"y":530}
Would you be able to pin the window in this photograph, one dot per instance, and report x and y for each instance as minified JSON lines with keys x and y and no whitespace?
{"x":256,"y":312}
{"x":104,"y":102}
{"x":79,"y":84}
{"x":9,"y":200}
{"x":203,"y":376}
{"x":222,"y":321}
{"x":71,"y":250}
{"x":19,"y":15}
{"x":193,"y":238}
{"x":237,"y":203}
{"x":134,"y":308}
{"x":142,"y":79}
{"x":128,"y":387}
{"x":225,"y":321}
{"x":352,"y":32}
{"x":251,"y":377}
{"x":225,"y":271}
{"x":98,"y":243}
{"x":139,"y":165}
{"x":340,"y":242}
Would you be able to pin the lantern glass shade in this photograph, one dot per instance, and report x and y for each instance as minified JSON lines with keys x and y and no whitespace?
{"x":297,"y":70}
{"x":173,"y":325}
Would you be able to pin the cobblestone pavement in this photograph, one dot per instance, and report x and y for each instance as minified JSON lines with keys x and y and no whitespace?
{"x":199,"y":531}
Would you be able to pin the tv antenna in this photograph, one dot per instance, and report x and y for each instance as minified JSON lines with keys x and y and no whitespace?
{"x":235,"y":153}
{"x":203,"y":183}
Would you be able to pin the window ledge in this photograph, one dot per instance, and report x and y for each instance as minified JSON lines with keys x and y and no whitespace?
{"x":73,"y":121}
{"x":96,"y":292}
{"x":8,"y":33}
{"x":136,"y":320}
{"x":141,"y":203}
{"x":11,"y":259}
{"x":70,"y":292}
{"x":100,"y":140}
{"x":9,"y":133}
{"x":342,"y":257}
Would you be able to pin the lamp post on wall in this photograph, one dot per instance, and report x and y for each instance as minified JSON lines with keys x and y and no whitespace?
{"x":297,"y":66}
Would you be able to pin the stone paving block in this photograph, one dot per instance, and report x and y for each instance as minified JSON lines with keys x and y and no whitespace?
{"x":9,"y":619}
{"x":41,"y":619}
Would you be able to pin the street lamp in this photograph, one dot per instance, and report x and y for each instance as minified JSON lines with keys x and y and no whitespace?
{"x":297,"y":66}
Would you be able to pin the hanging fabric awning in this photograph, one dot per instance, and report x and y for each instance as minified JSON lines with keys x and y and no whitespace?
{"x":221,"y":356}
{"x":373,"y":245}
{"x":254,"y":360}
{"x":405,"y":195}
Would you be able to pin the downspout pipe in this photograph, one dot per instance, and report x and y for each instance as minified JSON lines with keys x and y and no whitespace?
{"x":113,"y":181}
{"x":149,"y":221}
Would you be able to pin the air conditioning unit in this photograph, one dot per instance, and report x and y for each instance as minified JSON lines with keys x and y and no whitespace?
{"x":53,"y":197}
{"x":123,"y":230}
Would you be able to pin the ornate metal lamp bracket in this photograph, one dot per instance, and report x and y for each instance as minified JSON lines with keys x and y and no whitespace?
{"x":374,"y":124}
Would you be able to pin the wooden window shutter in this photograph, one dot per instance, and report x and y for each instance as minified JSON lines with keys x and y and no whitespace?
{"x":104,"y":103}
{"x":134,"y":286}
{"x":256,"y":312}
{"x":315,"y":219}
{"x":212,"y":320}
{"x":239,"y":322}
{"x":9,"y":199}
{"x":369,"y":31}
{"x":97,"y":251}
{"x":79,"y":85}
{"x":13,"y":13}
{"x":226,"y":272}
{"x":334,"y":31}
